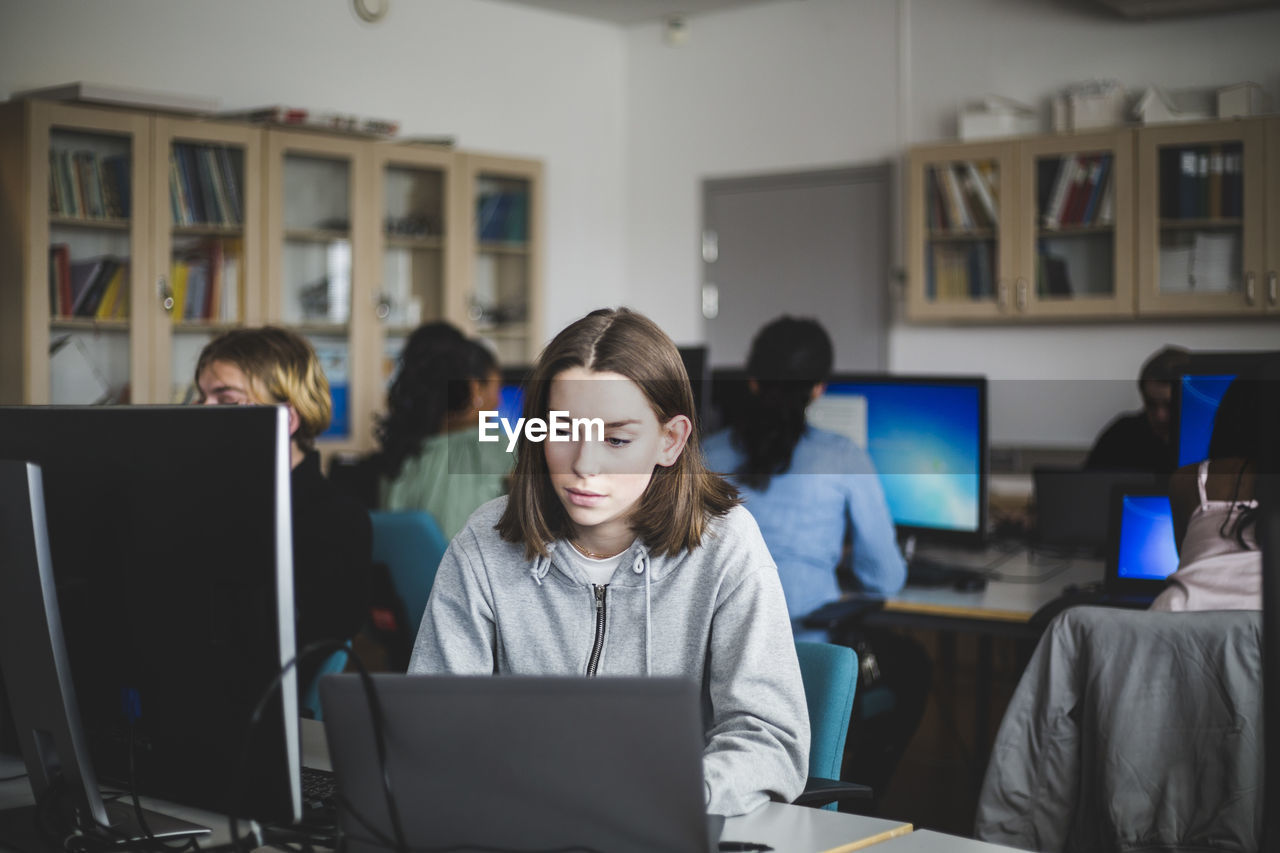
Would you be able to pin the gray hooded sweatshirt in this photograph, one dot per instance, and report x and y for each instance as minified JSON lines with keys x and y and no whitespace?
{"x":715,"y":614}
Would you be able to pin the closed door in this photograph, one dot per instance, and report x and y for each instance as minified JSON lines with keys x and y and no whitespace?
{"x":813,"y":244}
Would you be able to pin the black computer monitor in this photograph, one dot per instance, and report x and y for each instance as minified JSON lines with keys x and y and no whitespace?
{"x":1197,"y":393}
{"x":169,"y":544}
{"x":926,"y":435}
{"x":697,"y":366}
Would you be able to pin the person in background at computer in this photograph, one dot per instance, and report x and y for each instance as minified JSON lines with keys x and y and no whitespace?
{"x":430,"y":458}
{"x":332,"y":535}
{"x":1215,"y":511}
{"x":811,"y":491}
{"x":772,"y":454}
{"x":618,"y":553}
{"x":1143,"y":441}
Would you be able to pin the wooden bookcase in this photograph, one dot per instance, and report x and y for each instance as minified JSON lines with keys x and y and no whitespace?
{"x":1092,"y":226}
{"x":211,"y":224}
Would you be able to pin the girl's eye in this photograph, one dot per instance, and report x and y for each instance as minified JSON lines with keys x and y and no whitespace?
{"x":562,"y":434}
{"x":618,"y":442}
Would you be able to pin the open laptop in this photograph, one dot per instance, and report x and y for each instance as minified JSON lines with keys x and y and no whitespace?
{"x":520,"y":763}
{"x":1142,"y":552}
{"x":1073,"y":506}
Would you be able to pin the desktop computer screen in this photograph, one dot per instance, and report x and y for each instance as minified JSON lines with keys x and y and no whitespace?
{"x":1146,"y":547}
{"x":927,"y":437}
{"x":170,"y":546}
{"x":1197,"y":393}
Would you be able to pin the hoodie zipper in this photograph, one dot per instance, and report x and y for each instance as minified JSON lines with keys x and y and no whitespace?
{"x":594,"y":661}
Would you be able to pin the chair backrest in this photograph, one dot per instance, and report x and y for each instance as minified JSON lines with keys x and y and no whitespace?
{"x":410,"y":544}
{"x":310,"y":702}
{"x":830,"y":675}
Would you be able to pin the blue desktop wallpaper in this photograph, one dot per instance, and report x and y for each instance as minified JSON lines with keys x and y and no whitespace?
{"x":1147,"y":550}
{"x":926,"y":443}
{"x":1200,"y":398}
{"x":511,"y":406}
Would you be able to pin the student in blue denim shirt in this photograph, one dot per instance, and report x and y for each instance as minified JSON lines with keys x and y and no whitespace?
{"x":774,"y":455}
{"x":810,"y":490}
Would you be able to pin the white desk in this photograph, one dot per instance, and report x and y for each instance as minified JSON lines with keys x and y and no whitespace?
{"x":1030,"y":582}
{"x":785,"y":828}
{"x":928,"y":841}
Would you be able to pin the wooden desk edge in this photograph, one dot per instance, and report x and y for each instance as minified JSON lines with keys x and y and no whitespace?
{"x":952,"y":610}
{"x":863,"y":843}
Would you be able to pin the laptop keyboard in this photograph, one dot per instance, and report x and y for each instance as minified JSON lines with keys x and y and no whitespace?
{"x":319,"y":791}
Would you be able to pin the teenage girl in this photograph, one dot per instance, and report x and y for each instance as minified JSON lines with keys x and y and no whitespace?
{"x":430,"y":458}
{"x":625,"y":556}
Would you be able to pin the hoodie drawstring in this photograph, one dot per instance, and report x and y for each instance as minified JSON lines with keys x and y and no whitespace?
{"x":638,"y":566}
{"x":539,"y":569}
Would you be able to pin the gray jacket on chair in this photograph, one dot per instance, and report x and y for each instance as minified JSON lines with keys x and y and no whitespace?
{"x":1130,"y":731}
{"x":715,"y":614}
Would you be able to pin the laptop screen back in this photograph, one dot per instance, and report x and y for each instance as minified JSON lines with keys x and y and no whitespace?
{"x":520,"y":763}
{"x":1146,"y":550}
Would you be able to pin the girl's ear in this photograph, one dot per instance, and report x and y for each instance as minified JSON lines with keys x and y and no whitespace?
{"x":294,"y":421}
{"x":675,"y":435}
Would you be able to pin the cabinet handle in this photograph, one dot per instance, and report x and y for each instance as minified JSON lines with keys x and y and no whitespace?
{"x":1250,"y":291}
{"x":166,"y":294}
{"x":1002,"y":295}
{"x":1271,"y":288}
{"x":382,"y":308}
{"x":1022,"y":295}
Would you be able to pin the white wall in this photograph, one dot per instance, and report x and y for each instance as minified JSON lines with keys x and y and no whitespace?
{"x":499,"y":77}
{"x":791,"y":86}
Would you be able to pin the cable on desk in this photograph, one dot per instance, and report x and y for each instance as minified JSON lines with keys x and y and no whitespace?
{"x":14,"y":778}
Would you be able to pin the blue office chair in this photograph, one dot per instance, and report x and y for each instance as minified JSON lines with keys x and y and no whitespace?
{"x":309,"y":705}
{"x":830,"y":675}
{"x":410,"y":544}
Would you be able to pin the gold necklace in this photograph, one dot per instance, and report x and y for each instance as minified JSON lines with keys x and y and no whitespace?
{"x":584,"y":552}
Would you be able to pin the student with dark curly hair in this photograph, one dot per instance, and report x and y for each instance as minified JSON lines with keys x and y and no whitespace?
{"x":430,"y":457}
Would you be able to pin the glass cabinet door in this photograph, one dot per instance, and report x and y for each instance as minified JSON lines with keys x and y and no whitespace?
{"x":315,"y":187}
{"x":503,"y":301}
{"x":1201,"y":210}
{"x":1271,"y":297}
{"x":1077,"y":256}
{"x":962,"y":253}
{"x":207,"y":241}
{"x":414,"y":191}
{"x":93,"y":187}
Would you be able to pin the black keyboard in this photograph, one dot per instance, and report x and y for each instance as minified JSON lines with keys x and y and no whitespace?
{"x":319,"y":791}
{"x":922,"y":571}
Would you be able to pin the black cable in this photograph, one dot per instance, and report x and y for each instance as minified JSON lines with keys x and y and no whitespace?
{"x":14,"y":778}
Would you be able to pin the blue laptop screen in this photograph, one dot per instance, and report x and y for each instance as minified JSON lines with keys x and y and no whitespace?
{"x":925,"y":441}
{"x":1147,"y":550}
{"x":1199,"y":403}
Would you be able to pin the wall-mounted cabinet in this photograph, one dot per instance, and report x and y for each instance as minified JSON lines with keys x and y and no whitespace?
{"x":1151,"y":222}
{"x":131,"y":238}
{"x":1028,"y":228}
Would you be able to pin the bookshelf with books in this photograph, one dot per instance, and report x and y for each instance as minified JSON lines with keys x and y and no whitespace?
{"x":1031,"y":227}
{"x":73,"y":262}
{"x":959,"y":231}
{"x":1203,"y":218}
{"x":129,"y":237}
{"x":207,"y":239}
{"x":502,"y":265}
{"x":417,"y":273}
{"x":320,"y":238}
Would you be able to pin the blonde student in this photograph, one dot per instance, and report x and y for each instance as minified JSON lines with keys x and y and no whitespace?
{"x":618,"y":553}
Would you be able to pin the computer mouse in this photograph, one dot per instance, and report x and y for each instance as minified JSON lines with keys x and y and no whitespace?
{"x":970,"y":583}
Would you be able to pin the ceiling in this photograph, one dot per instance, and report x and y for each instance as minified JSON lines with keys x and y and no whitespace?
{"x":627,"y":12}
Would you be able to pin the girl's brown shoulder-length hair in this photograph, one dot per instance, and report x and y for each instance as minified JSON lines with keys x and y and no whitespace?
{"x":673,"y":513}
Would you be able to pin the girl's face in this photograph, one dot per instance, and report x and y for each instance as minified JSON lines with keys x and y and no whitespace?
{"x":223,"y":384}
{"x":599,"y":483}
